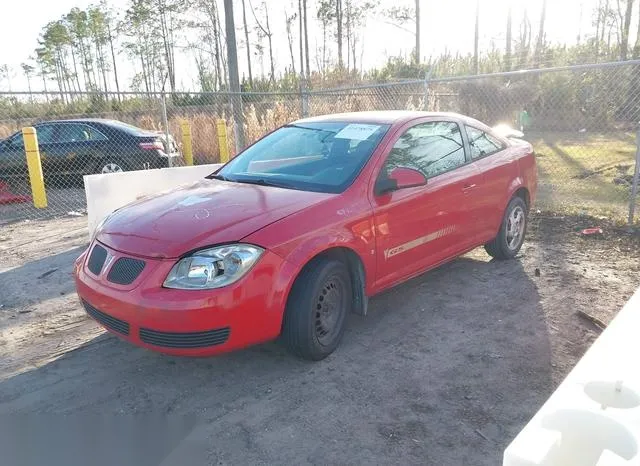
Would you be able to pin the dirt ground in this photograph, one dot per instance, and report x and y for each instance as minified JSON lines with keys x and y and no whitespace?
{"x":445,"y":369}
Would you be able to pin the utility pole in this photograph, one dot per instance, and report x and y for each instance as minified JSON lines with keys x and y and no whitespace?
{"x":476,"y":58}
{"x":417,"y":51}
{"x":234,"y":79}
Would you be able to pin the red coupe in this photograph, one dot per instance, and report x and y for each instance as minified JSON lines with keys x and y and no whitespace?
{"x":302,"y":227}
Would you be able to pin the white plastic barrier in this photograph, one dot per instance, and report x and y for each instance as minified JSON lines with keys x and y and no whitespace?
{"x":108,"y":192}
{"x":593,"y":418}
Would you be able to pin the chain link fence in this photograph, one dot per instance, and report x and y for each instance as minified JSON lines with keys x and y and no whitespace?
{"x":582,"y":121}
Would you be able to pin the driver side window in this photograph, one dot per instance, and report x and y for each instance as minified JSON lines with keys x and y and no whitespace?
{"x":432,"y":148}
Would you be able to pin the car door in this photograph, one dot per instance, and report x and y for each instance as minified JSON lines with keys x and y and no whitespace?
{"x":498,"y":167}
{"x":419,"y":227}
{"x":13,"y":160}
{"x":74,"y":147}
{"x":14,"y":157}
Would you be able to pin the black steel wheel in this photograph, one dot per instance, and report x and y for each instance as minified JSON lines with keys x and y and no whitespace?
{"x":317,"y":308}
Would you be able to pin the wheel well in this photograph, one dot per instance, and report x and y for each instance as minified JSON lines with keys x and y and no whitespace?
{"x":356,"y":272}
{"x":523,"y":193}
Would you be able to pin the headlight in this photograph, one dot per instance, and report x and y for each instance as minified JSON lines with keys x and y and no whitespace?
{"x":213,"y":268}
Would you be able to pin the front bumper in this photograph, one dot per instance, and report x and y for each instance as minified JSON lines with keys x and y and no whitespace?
{"x":186,"y":322}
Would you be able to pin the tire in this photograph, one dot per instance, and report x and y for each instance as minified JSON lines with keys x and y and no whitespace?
{"x":110,"y":164}
{"x":509,"y":240}
{"x":317,"y":308}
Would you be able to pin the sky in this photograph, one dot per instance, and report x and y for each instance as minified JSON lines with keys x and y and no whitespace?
{"x":446,"y":25}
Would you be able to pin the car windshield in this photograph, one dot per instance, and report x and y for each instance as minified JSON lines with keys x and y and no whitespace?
{"x":314,"y":156}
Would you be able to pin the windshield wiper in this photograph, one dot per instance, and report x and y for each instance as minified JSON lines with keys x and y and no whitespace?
{"x":215,"y":176}
{"x":264,"y":182}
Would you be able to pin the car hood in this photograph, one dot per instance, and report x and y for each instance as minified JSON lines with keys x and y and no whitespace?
{"x":209,"y":212}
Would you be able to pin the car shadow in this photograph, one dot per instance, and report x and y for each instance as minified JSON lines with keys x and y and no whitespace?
{"x":445,"y":369}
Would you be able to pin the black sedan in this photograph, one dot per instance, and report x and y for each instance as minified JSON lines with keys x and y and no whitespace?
{"x":88,"y":146}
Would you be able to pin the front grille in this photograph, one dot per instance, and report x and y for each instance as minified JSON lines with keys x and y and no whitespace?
{"x":125,"y":270}
{"x":96,"y":259}
{"x":185,"y":340}
{"x":108,"y":321}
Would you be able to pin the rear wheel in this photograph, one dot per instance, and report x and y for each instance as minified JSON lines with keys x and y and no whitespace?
{"x":512,"y":231}
{"x":317,"y":308}
{"x":110,"y":165}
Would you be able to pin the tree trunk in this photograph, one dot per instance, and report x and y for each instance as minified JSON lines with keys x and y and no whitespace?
{"x":540,"y":40}
{"x":164,"y":29}
{"x":29,"y":86}
{"x":476,"y":38}
{"x":417,"y":49}
{"x":103,"y":67}
{"x":223,"y":62}
{"x":217,"y":42}
{"x":290,"y":41}
{"x":44,"y":84}
{"x":234,"y":79}
{"x":113,"y":60}
{"x":604,"y":21}
{"x":354,"y":41}
{"x":301,"y":41}
{"x":507,"y":57}
{"x":145,"y":74}
{"x":339,"y":33}
{"x":270,"y":37}
{"x":636,"y":47}
{"x":56,"y":69}
{"x":324,"y":47}
{"x":75,"y":68}
{"x":598,"y":22}
{"x":306,"y":39}
{"x":348,"y":27}
{"x":246,"y":39}
{"x":624,"y":41}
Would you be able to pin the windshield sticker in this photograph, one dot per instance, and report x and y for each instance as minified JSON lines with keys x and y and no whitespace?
{"x":359,"y":132}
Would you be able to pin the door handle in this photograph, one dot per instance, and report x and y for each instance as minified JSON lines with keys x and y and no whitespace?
{"x":468,"y":187}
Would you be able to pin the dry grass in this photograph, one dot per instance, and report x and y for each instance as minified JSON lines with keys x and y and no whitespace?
{"x":585,"y":172}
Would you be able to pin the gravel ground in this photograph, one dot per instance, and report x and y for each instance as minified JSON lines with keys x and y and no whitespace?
{"x":445,"y":369}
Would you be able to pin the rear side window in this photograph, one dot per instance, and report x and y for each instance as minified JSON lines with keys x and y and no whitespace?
{"x":482,"y":143}
{"x":76,"y":132}
{"x":432,"y":148}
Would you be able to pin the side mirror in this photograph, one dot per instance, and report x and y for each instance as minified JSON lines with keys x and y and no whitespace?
{"x":399,"y":178}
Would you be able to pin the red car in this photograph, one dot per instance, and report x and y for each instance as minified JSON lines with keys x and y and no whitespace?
{"x":302,"y":228}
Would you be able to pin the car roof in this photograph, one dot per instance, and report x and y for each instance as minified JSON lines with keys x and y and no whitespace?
{"x":385,"y":117}
{"x":75,"y":120}
{"x":114,"y":124}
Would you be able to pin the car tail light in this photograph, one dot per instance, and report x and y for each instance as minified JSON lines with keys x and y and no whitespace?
{"x":154,"y":145}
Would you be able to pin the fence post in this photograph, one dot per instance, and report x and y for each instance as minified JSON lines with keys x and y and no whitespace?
{"x":427,"y":78}
{"x":635,"y":181}
{"x":165,"y":122}
{"x":35,"y":167}
{"x":304,"y":98}
{"x":187,"y":149}
{"x":223,"y":143}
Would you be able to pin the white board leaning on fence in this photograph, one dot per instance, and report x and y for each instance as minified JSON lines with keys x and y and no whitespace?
{"x":108,"y":192}
{"x":593,"y":418}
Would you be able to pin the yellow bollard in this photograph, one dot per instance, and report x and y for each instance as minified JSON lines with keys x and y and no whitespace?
{"x":187,"y":149}
{"x":223,"y":143}
{"x":35,"y":167}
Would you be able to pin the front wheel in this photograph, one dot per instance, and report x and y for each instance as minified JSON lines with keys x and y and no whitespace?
{"x":317,"y":309}
{"x":512,"y":231}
